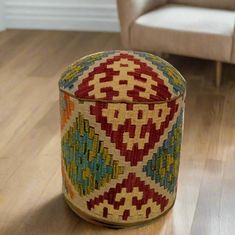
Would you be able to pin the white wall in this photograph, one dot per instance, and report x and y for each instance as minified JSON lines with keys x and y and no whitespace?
{"x":2,"y":22}
{"x":92,"y":15}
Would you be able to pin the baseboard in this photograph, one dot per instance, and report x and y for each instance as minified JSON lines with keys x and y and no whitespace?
{"x":64,"y":15}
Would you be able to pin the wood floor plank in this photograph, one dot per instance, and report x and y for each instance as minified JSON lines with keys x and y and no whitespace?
{"x":206,"y":218}
{"x":227,"y":206}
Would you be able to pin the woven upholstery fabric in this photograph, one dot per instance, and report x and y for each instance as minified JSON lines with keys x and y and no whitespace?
{"x":219,"y":4}
{"x":199,"y":32}
{"x":121,"y":124}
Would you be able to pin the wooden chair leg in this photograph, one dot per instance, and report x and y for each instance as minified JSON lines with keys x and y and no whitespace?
{"x":218,"y":73}
{"x":165,"y":55}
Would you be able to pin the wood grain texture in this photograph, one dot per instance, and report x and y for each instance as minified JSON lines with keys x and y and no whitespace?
{"x":218,"y":73}
{"x":30,"y":180}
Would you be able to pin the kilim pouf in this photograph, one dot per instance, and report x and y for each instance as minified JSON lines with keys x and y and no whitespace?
{"x":121,"y":120}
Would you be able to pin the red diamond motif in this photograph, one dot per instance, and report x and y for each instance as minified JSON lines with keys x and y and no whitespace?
{"x":123,"y":77}
{"x":140,"y":196}
{"x":134,"y":140}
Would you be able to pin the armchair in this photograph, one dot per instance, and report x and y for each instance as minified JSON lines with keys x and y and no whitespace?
{"x":197,"y":28}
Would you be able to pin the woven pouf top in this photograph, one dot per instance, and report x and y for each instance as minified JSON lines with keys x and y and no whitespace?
{"x":122,"y":76}
{"x":121,"y":121}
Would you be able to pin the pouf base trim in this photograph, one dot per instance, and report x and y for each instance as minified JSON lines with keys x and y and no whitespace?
{"x":112,"y":225}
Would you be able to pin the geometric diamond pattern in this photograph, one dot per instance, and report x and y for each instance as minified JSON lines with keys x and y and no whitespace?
{"x":173,"y":75}
{"x":121,"y":122}
{"x":134,"y":82}
{"x":164,"y":166}
{"x":87,"y":161}
{"x":126,"y":135}
{"x":131,"y":191}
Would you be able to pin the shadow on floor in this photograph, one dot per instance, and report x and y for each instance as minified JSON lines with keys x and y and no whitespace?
{"x":53,"y":217}
{"x":56,"y":218}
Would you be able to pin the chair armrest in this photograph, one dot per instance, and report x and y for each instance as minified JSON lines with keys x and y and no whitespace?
{"x":130,"y":10}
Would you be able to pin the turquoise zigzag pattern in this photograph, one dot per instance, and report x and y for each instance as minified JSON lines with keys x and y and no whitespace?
{"x":164,"y":165}
{"x":87,"y":161}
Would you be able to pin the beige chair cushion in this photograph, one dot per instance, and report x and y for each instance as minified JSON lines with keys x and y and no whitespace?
{"x":184,"y":30}
{"x":221,"y":4}
{"x":129,"y":10}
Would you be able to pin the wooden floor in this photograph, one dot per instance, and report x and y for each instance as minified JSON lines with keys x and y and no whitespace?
{"x":31,"y":202}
